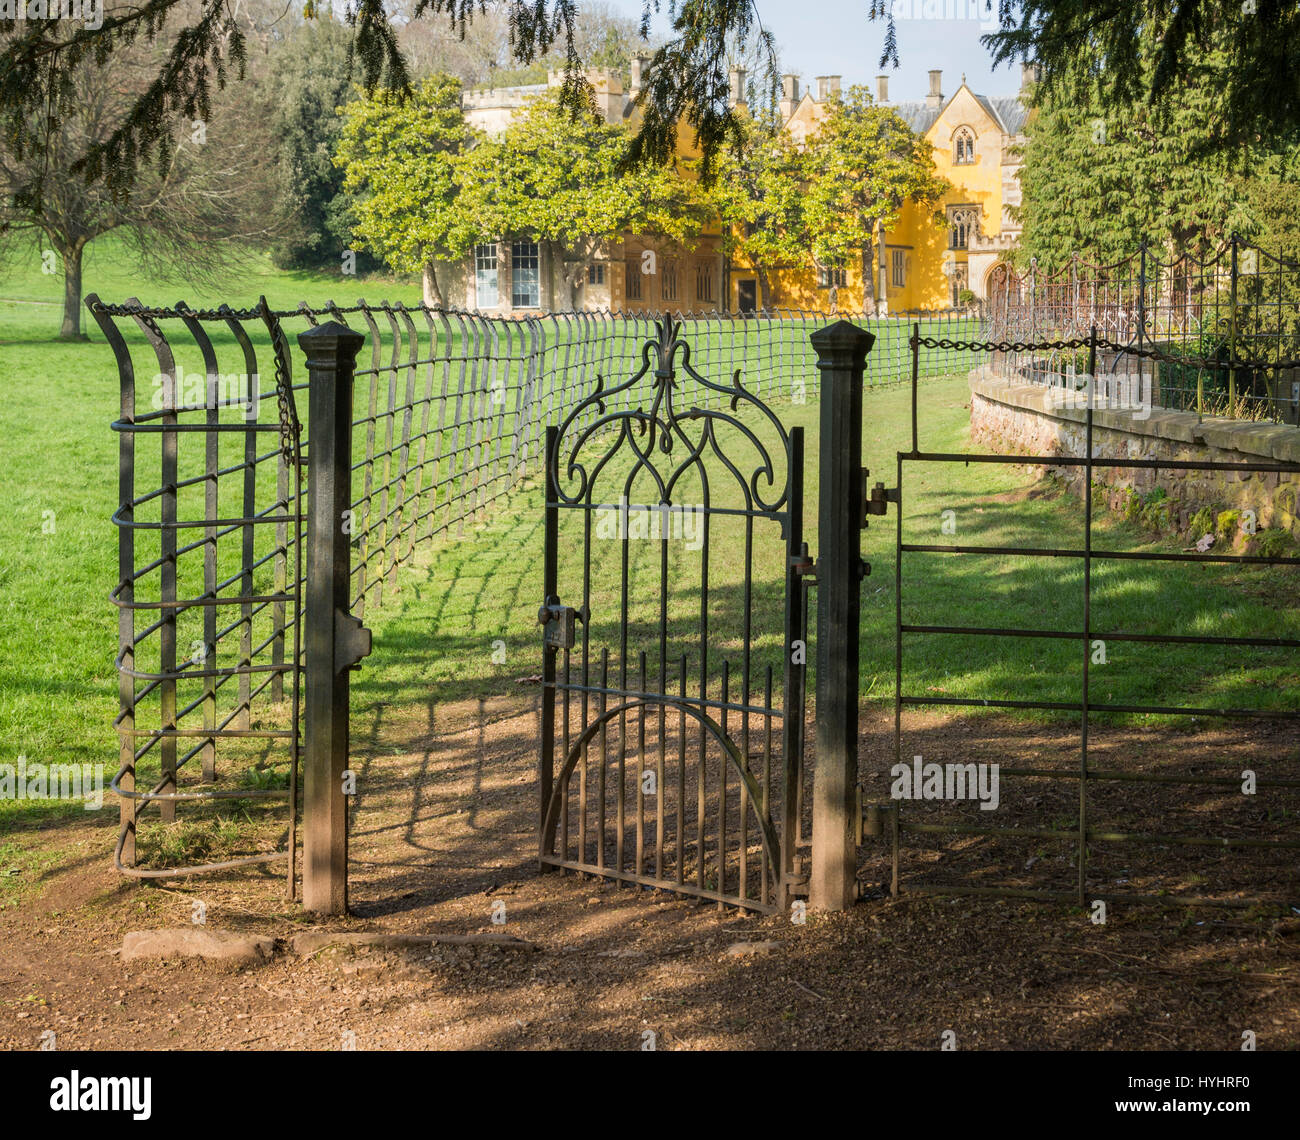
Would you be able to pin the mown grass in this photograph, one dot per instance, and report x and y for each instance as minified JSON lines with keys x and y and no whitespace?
{"x":58,"y":557}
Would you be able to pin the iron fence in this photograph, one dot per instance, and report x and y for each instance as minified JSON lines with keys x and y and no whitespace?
{"x":450,"y":410}
{"x":209,"y":565}
{"x":1224,"y":328}
{"x":449,"y":415}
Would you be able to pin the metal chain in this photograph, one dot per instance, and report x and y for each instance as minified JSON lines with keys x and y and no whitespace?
{"x":1124,"y":349}
{"x":290,"y":427}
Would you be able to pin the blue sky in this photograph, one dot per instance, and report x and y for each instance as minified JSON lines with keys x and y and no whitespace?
{"x":834,"y":37}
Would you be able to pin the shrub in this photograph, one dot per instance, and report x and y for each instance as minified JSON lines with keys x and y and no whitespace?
{"x":1273,"y":542}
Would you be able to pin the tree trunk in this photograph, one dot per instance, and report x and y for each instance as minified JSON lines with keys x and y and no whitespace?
{"x":429,"y":283}
{"x":71,"y":329}
{"x":764,"y":290}
{"x":869,"y":279}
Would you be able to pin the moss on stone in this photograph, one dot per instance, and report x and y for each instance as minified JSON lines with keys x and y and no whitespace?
{"x":1203,"y":522}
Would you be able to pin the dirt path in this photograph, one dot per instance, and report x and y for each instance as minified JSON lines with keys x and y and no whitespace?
{"x":615,"y":964}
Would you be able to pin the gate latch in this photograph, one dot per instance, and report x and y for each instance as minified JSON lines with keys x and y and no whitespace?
{"x":351,"y":641}
{"x":560,"y":624}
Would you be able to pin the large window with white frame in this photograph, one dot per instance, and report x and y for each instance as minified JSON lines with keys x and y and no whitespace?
{"x":486,"y":283}
{"x":525,"y":275}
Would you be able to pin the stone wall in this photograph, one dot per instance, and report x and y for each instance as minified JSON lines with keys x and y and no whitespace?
{"x":1029,"y":419}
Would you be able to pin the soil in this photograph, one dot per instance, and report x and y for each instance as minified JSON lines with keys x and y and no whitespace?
{"x":443,"y":828}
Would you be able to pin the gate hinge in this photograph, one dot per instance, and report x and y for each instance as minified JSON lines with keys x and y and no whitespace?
{"x":877,"y":501}
{"x":803,"y":563}
{"x":351,"y":641}
{"x":804,"y":567}
{"x":871,"y":818}
{"x":797,"y":879}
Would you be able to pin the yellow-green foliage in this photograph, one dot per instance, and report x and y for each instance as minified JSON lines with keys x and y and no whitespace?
{"x":1226,"y":524}
{"x":1203,"y":522}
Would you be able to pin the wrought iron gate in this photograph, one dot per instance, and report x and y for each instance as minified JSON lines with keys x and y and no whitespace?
{"x":675,"y":636}
{"x":992,"y":860}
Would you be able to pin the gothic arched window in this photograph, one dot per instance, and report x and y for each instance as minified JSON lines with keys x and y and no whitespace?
{"x":963,"y":224}
{"x":963,"y":147}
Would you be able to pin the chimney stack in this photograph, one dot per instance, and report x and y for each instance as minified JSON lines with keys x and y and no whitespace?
{"x":935,"y":98}
{"x":1028,"y":75}
{"x":882,"y":89}
{"x":789,"y":95}
{"x":828,"y":86}
{"x":638,"y":68}
{"x":737,"y":77}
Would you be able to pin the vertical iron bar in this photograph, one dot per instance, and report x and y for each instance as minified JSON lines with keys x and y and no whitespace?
{"x":408,"y":412}
{"x":1232,"y":332}
{"x":722,"y":784}
{"x":362,"y":530}
{"x":659,"y":774}
{"x":640,"y":770}
{"x":765,"y":886}
{"x":701,"y":805}
{"x":680,"y":873}
{"x":564,"y":751}
{"x":248,"y":548}
{"x":916,"y":369}
{"x":898,"y":668}
{"x":1142,"y":320}
{"x":794,"y":678}
{"x":126,"y":581}
{"x":167,"y":632}
{"x":550,"y":588}
{"x":1087,"y":615}
{"x":211,"y":510}
{"x":604,"y":757}
{"x":280,"y":574}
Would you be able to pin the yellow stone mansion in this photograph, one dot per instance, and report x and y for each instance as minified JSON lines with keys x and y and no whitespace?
{"x":920,"y":266}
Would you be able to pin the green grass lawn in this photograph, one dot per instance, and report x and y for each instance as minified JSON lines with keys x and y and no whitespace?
{"x":58,"y":558}
{"x":434,"y":640}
